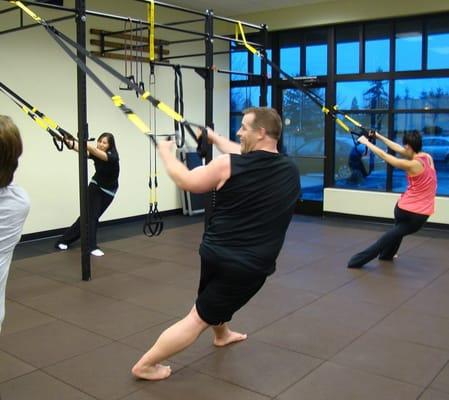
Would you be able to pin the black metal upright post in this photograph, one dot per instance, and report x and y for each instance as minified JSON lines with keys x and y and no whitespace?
{"x":209,"y":90}
{"x":263,"y":69}
{"x":83,"y":136}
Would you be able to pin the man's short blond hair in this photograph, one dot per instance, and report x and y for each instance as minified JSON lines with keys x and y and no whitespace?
{"x":267,"y":118}
{"x":10,"y":150}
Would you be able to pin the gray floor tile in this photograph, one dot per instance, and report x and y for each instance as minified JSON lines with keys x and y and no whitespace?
{"x":441,"y":382}
{"x":431,"y":394}
{"x":334,"y":382}
{"x":400,"y":360}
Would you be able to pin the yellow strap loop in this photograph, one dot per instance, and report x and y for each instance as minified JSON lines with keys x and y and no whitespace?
{"x":27,"y":10}
{"x":151,"y":30}
{"x":352,"y":120}
{"x":248,"y":46}
{"x":117,"y":100}
{"x":52,"y":124}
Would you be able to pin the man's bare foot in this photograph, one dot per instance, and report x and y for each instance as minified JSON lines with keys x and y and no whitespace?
{"x":228,"y":338}
{"x":153,"y":373}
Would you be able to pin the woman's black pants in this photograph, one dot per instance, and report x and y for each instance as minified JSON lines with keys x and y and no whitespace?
{"x":405,"y":223}
{"x":98,"y":203}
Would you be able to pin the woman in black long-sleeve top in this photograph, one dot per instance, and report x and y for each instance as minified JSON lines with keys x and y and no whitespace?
{"x":101,"y":191}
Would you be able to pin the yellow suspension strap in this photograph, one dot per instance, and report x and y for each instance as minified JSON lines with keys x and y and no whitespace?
{"x":151,"y":30}
{"x":59,"y":135}
{"x":360,"y":130}
{"x":62,"y":39}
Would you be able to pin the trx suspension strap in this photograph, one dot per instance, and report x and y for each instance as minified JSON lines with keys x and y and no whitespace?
{"x":356,"y":132}
{"x":153,"y":224}
{"x":60,"y":136}
{"x":151,"y":30}
{"x":59,"y":37}
{"x":179,"y":106}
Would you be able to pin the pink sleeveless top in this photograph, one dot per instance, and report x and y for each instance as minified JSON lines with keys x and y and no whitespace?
{"x":419,"y":197}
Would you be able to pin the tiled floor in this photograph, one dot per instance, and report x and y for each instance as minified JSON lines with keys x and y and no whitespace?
{"x":316,"y":330}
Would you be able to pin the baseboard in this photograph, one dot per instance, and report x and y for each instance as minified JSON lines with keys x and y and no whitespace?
{"x":56,"y":232}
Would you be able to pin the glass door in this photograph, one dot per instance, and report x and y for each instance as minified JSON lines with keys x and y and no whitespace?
{"x":303,"y":140}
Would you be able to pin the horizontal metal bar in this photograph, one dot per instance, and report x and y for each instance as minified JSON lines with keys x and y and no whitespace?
{"x":173,"y":7}
{"x":185,"y":41}
{"x":166,"y":64}
{"x":194,"y":55}
{"x":228,"y":39}
{"x":135,"y":20}
{"x":8,"y":10}
{"x":229,"y":72}
{"x":234,"y":21}
{"x":35,"y":25}
{"x":45,"y":5}
{"x":184,"y":22}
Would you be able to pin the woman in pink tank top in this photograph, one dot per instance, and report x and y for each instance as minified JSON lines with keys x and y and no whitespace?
{"x":416,"y":204}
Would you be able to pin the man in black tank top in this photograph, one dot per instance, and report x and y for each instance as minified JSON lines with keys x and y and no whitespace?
{"x":256,"y":193}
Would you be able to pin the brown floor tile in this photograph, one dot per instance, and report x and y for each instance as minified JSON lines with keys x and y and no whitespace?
{"x":40,"y":386}
{"x":19,"y":318}
{"x":12,"y":367}
{"x":47,"y":344}
{"x":334,"y":382}
{"x":31,"y":286}
{"x":116,"y":320}
{"x":16,"y":273}
{"x":404,"y":361}
{"x":415,"y":327}
{"x":193,"y":385}
{"x":378,"y":290}
{"x":441,"y":382}
{"x":123,"y":261}
{"x":171,"y":300}
{"x":345,"y":311}
{"x":257,"y":366}
{"x":104,"y":373}
{"x":314,"y":337}
{"x":431,"y":394}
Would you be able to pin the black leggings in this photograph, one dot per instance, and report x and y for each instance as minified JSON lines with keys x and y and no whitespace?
{"x":405,"y":223}
{"x":98,"y":203}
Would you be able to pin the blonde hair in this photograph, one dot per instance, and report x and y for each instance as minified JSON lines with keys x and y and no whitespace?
{"x":267,"y":118}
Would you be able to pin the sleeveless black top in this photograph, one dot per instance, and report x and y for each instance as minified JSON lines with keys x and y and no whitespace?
{"x":252,"y":211}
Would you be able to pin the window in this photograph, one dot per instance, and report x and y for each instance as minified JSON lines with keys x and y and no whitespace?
{"x":239,"y":63}
{"x":362,"y":95}
{"x":408,"y":46}
{"x":257,"y":62}
{"x":427,"y":94}
{"x":348,"y":45}
{"x":438,"y":43}
{"x":377,"y":48}
{"x":290,"y":57}
{"x":316,"y":53}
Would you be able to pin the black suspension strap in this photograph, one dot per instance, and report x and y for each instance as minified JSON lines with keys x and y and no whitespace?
{"x":128,"y":49}
{"x":357,"y":130}
{"x":153,"y":224}
{"x":140,"y":58}
{"x":179,"y":106}
{"x":59,"y":135}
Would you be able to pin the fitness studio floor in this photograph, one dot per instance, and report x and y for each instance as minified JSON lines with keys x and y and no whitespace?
{"x":316,"y":330}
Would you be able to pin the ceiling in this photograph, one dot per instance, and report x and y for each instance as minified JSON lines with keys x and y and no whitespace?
{"x":238,"y":7}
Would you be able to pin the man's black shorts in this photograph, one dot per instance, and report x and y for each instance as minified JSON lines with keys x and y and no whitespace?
{"x":224,"y":289}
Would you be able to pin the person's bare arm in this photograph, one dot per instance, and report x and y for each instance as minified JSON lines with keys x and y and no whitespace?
{"x":91,"y":149}
{"x":223,"y":144}
{"x":199,"y":180}
{"x":397,"y":148}
{"x":410,"y":166}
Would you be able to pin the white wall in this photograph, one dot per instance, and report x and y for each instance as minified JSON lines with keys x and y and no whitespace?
{"x":36,"y":68}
